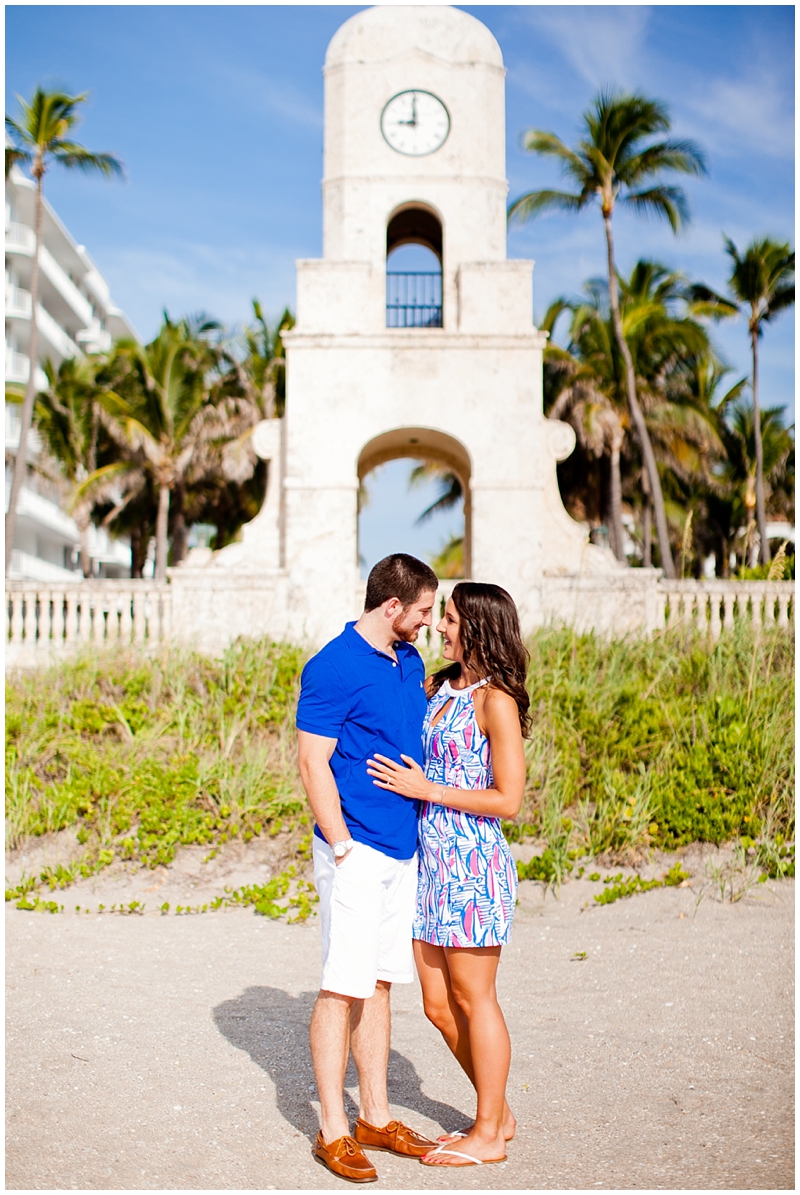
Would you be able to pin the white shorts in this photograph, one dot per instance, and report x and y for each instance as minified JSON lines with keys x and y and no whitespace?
{"x":367,"y":907}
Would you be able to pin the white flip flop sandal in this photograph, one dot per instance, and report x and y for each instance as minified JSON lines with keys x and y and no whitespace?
{"x":455,"y":1153}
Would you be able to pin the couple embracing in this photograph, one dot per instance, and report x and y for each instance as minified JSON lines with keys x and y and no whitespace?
{"x":408,"y":780}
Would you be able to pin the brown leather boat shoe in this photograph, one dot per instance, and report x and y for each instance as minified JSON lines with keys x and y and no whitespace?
{"x":394,"y":1138}
{"x":346,"y":1159}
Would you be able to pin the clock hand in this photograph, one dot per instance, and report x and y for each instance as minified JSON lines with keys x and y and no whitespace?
{"x":413,"y":122}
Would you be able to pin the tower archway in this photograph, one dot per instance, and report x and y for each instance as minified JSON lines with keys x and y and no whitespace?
{"x":414,"y":255}
{"x":428,"y":445}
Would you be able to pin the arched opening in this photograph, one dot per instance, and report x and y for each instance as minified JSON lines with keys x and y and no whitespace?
{"x":390,"y":508}
{"x":414,"y":268}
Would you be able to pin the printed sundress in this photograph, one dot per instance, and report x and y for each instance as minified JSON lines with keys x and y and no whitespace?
{"x":467,"y":885}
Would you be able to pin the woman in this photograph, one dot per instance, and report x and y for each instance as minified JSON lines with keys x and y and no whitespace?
{"x":474,"y":775}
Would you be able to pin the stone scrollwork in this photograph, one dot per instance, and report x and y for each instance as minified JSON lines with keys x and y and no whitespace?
{"x":266,"y":439}
{"x":561,"y":438}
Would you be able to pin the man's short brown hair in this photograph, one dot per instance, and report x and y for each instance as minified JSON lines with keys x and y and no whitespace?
{"x":399,"y":576}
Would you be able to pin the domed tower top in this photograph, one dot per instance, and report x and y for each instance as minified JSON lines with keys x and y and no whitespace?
{"x":414,"y":115}
{"x":441,"y":31}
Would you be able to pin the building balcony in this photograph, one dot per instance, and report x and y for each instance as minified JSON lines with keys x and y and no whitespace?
{"x":20,"y":239}
{"x":18,"y":366}
{"x":18,"y":303}
{"x":18,"y":369}
{"x":54,"y":334}
{"x":61,"y":281}
{"x":414,"y":300}
{"x":94,"y":339}
{"x":26,"y":567}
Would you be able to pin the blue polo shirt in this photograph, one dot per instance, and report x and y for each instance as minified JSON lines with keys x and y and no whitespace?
{"x":359,"y":696}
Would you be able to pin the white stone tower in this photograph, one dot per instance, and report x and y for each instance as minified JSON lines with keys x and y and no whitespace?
{"x":415,"y":151}
{"x":450,"y":369}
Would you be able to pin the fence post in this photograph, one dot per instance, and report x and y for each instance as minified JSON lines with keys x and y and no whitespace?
{"x":715,"y":625}
{"x":98,"y":618}
{"x":17,"y":623}
{"x":71,"y":616}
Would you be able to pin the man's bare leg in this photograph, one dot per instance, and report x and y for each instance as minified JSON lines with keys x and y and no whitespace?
{"x":370,"y":1033}
{"x":330,"y":1047}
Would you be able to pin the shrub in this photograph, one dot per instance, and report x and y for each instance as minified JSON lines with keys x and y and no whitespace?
{"x":635,"y":743}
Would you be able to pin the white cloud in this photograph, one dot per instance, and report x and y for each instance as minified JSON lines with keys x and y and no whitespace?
{"x":603,"y":44}
{"x":752,"y":111}
{"x":277,"y":96}
{"x":192,"y":277}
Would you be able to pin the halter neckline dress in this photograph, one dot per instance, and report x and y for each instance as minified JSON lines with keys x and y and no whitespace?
{"x":467,"y":885}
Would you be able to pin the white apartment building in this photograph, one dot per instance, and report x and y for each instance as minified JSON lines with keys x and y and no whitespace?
{"x":74,"y":315}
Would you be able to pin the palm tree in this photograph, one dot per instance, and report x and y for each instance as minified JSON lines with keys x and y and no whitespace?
{"x":586,"y":380}
{"x":450,"y":493}
{"x":41,"y":136}
{"x":612,"y":158}
{"x":762,"y":282}
{"x":67,"y":421}
{"x":745,"y":432}
{"x":585,"y":392}
{"x":157,"y":406}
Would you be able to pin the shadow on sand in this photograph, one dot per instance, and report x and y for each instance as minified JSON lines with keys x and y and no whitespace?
{"x":272,"y":1027}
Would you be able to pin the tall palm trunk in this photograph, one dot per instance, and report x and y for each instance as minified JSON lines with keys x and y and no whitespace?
{"x":180,"y":532}
{"x":761,"y":507}
{"x":618,"y":531}
{"x":26,"y":416}
{"x":647,"y":534}
{"x":161,"y":533}
{"x":637,"y":415}
{"x":82,"y":521}
{"x":647,"y":523}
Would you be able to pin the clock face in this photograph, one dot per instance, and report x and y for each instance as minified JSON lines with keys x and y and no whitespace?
{"x":415,"y":123}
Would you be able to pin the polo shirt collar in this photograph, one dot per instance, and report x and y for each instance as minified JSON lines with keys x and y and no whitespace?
{"x":358,"y":644}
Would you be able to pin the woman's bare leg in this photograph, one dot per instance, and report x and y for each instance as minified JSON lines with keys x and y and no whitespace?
{"x":440,"y":1004}
{"x":444,"y":1010}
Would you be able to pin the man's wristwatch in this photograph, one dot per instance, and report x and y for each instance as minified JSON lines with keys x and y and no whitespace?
{"x":340,"y":849}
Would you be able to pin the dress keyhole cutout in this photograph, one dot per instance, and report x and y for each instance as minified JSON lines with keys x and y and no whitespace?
{"x":441,"y":713}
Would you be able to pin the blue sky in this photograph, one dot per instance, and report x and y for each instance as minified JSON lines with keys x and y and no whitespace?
{"x":217,"y":113}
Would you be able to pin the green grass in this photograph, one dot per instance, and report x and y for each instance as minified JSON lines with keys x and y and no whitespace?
{"x":636,"y":743}
{"x":660,"y":742}
{"x":144,"y":755}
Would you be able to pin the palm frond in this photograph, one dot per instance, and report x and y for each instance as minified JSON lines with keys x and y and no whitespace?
{"x":685,"y":157}
{"x":668,"y":202}
{"x":536,"y":202}
{"x":75,"y":157}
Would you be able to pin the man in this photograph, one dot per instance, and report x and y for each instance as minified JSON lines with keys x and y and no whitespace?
{"x":364,"y":692}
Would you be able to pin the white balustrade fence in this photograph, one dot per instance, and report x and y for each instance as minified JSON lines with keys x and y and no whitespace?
{"x":714,"y":606}
{"x":44,"y":616}
{"x":49,"y":616}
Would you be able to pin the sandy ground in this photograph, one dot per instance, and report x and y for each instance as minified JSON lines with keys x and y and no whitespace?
{"x":171,"y":1052}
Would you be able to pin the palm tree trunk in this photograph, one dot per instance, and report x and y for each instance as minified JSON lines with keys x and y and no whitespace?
{"x":637,"y":415}
{"x":761,"y":510}
{"x":82,"y":522}
{"x":647,"y":533}
{"x":618,"y":532}
{"x":180,"y":532}
{"x":161,"y":533}
{"x":26,"y":416}
{"x":137,"y":556}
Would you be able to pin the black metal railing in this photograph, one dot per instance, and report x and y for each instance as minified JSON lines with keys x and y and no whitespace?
{"x":414,"y":300}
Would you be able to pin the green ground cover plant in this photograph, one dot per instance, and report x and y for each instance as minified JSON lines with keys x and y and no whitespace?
{"x":636,"y":744}
{"x":145,"y":755}
{"x":659,"y":742}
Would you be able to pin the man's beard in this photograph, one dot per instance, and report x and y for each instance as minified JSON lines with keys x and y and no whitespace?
{"x":406,"y":634}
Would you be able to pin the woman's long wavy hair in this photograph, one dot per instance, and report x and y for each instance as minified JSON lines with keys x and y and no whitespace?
{"x":491,"y":643}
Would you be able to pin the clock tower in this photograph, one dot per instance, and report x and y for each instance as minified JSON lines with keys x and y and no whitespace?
{"x":445,"y":366}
